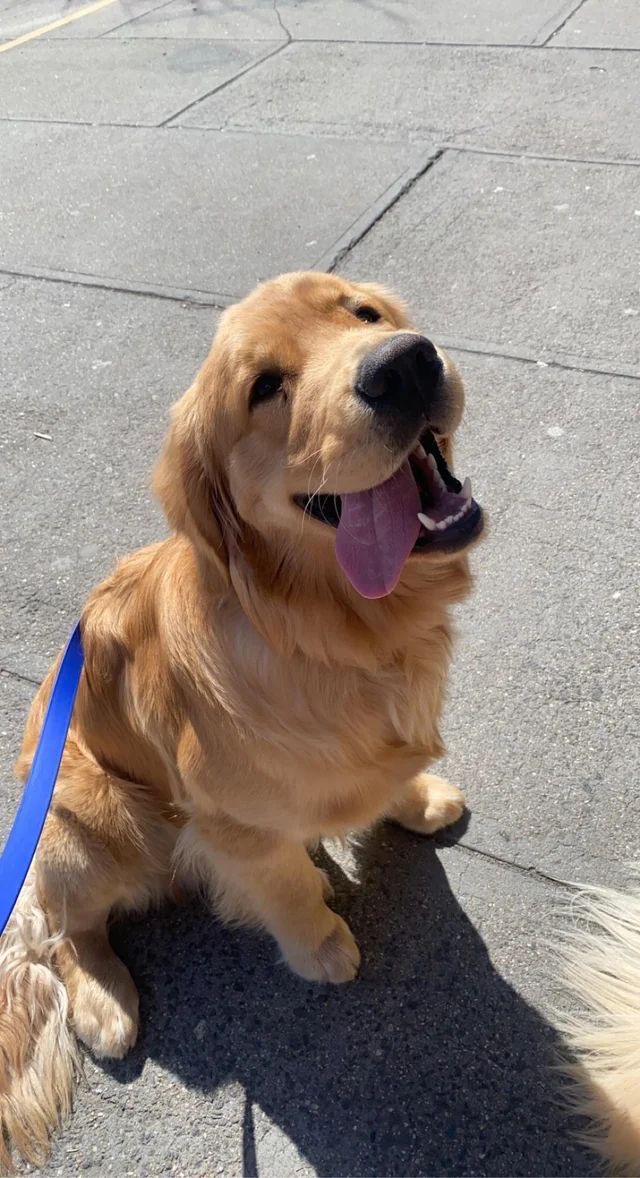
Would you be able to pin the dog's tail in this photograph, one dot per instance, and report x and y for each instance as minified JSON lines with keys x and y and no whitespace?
{"x":39,"y":1057}
{"x":601,"y":960}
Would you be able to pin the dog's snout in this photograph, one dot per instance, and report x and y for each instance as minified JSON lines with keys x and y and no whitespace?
{"x":400,"y":376}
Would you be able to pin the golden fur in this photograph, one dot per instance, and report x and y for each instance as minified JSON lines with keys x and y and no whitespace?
{"x":600,"y":954}
{"x":239,"y":699}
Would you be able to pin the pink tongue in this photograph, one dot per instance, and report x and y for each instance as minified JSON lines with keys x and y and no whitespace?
{"x":377,"y":530}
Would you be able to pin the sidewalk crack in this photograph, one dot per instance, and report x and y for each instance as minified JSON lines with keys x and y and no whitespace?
{"x":281,"y":22}
{"x":22,"y":678}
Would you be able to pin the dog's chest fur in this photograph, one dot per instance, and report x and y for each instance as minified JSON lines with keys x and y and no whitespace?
{"x":211,"y":715}
{"x":323,"y":748}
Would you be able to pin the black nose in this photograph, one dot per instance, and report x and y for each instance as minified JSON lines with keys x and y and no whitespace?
{"x":400,"y":376}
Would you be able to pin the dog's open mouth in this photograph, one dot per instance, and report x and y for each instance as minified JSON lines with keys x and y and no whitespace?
{"x":421,"y":508}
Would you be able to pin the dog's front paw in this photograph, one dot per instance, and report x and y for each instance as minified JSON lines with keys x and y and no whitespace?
{"x":428,"y":804}
{"x":106,"y":1019}
{"x":336,"y":959}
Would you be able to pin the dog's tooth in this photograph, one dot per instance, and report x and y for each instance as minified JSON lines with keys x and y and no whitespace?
{"x":429,"y":524}
{"x":466,"y":488}
{"x":433,"y":468}
{"x":463,"y":510}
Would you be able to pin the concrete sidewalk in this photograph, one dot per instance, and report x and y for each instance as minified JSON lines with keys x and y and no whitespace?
{"x":481,"y":157}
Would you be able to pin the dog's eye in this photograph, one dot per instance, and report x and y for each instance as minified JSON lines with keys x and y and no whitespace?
{"x":265,"y":386}
{"x":367,"y":314}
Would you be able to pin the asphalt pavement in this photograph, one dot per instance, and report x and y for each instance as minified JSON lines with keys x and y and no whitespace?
{"x":482,"y":158}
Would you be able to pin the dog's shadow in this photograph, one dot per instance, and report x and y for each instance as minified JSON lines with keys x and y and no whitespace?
{"x":429,"y":1064}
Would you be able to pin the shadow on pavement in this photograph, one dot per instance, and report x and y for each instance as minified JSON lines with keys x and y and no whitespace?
{"x":431,"y":1064}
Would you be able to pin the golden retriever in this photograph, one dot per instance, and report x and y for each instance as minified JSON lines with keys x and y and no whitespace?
{"x":599,"y":959}
{"x":271,"y":673}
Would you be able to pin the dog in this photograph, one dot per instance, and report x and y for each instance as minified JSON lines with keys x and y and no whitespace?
{"x":271,"y":673}
{"x":598,"y":962}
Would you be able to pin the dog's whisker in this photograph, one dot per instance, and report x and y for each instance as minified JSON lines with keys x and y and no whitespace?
{"x":305,"y":458}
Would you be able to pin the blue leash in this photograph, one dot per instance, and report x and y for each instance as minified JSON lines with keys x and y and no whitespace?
{"x":24,"y":835}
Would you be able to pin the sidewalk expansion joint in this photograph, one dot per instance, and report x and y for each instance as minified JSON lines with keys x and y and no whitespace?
{"x":194,"y":298}
{"x":494,"y":353}
{"x":216,"y":301}
{"x":564,"y":22}
{"x":131,"y":20}
{"x":227,"y":82}
{"x":472,"y":46}
{"x":535,"y":873}
{"x":377,"y":212}
{"x":602,"y":161}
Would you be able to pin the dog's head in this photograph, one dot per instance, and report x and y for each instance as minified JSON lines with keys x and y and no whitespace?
{"x":319,"y":429}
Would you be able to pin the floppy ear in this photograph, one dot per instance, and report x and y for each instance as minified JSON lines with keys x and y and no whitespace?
{"x":189,"y":488}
